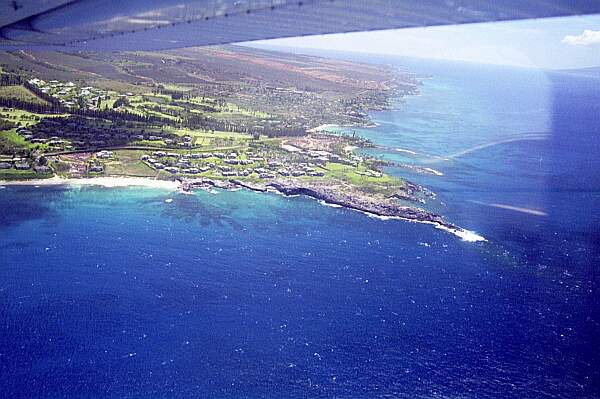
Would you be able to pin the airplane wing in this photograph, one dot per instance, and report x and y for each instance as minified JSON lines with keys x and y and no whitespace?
{"x":163,"y":24}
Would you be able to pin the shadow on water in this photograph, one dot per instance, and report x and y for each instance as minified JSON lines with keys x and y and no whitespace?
{"x":575,"y":203}
{"x":204,"y":210}
{"x":21,"y":204}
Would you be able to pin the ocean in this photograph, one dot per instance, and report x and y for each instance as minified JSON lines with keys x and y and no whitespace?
{"x":146,"y":293}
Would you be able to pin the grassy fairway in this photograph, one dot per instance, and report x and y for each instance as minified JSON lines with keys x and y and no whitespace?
{"x":25,"y":118}
{"x":10,"y":141}
{"x":128,"y":164}
{"x":13,"y":174}
{"x":358,"y":177}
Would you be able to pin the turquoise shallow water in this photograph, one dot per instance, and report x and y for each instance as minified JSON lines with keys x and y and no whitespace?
{"x":110,"y":293}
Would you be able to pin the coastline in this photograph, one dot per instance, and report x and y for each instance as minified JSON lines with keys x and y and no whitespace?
{"x":407,"y":214}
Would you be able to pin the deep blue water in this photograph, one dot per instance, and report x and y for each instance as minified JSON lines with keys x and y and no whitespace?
{"x":112,"y":293}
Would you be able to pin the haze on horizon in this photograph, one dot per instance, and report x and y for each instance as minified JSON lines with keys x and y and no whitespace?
{"x":551,"y":43}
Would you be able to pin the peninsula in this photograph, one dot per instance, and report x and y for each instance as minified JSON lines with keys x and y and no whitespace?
{"x":226,"y":117}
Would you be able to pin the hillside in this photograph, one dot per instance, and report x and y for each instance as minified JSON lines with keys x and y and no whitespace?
{"x":305,"y":90}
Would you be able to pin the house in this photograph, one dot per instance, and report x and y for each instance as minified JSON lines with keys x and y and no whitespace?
{"x":22,"y":166}
{"x":42,"y":169}
{"x":96,"y":168}
{"x":36,"y":81}
{"x":22,"y":130}
{"x":290,"y":148}
{"x":171,"y":169}
{"x":5,"y":165}
{"x":104,"y":154}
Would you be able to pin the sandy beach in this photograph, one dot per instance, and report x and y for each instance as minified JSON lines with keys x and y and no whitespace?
{"x":322,"y":127}
{"x":96,"y":181}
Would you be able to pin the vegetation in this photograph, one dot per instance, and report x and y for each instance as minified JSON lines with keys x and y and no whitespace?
{"x":166,"y":129}
{"x":20,"y":93}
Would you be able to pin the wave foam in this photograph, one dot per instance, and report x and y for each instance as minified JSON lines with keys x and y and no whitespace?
{"x":433,"y":171}
{"x":329,"y":204}
{"x":406,"y":151}
{"x":465,"y":235}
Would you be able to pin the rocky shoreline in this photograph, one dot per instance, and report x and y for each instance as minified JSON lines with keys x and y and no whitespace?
{"x":333,"y":195}
{"x":327,"y":192}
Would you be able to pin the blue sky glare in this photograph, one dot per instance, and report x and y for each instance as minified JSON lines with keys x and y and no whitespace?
{"x":554,"y":43}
